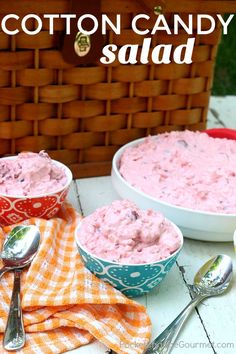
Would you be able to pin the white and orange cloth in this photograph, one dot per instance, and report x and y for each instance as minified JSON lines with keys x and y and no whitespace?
{"x":64,"y":305}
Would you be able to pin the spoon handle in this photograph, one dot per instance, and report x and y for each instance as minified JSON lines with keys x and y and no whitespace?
{"x":165,"y":341}
{"x":3,"y":270}
{"x":14,"y":336}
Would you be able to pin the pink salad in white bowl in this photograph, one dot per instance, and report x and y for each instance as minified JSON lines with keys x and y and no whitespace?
{"x":188,"y":176}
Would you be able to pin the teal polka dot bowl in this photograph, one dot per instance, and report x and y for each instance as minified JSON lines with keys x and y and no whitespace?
{"x":131,"y":279}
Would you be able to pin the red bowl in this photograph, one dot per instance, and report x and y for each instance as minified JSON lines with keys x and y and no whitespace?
{"x":221,"y":133}
{"x":14,"y":209}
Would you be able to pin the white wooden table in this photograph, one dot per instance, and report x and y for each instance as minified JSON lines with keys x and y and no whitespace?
{"x":211,"y":329}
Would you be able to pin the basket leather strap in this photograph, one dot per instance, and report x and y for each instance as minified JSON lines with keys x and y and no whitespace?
{"x":81,"y":49}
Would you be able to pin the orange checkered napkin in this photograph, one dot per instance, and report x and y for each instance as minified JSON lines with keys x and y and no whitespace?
{"x":64,"y":305}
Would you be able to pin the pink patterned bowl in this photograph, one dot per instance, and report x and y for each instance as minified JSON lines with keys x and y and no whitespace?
{"x":14,"y":208}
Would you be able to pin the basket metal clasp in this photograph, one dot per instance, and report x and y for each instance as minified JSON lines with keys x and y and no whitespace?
{"x":82,"y":44}
{"x":159,"y":9}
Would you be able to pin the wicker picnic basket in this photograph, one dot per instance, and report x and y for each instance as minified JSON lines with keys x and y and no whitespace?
{"x":82,"y":114}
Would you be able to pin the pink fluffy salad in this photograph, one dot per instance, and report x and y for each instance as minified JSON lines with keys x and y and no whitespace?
{"x":30,"y":174}
{"x":123,"y":233}
{"x":187,"y":169}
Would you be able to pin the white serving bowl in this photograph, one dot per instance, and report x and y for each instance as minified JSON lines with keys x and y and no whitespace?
{"x":198,"y":225}
{"x":234,"y":239}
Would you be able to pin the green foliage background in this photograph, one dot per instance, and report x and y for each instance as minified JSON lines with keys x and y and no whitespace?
{"x":225,"y":71}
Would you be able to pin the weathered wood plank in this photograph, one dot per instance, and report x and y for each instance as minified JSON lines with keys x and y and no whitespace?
{"x":73,"y":197}
{"x":212,"y":328}
{"x":218,"y":314}
{"x":223,"y":109}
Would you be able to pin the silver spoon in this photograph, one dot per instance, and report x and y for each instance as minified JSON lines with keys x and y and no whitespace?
{"x":212,"y":279}
{"x":18,"y":251}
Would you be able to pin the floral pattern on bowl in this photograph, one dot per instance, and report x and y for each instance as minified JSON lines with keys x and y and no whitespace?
{"x":132,"y":280}
{"x":14,"y":210}
{"x":17,"y":208}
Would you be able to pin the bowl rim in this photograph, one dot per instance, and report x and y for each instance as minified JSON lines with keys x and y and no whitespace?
{"x":116,"y":161}
{"x":180,"y":234}
{"x":68,"y":173}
